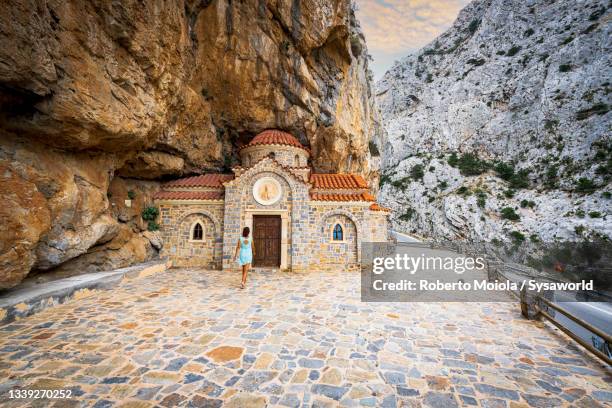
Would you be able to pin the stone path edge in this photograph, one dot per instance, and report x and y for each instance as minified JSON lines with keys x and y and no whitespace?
{"x":20,"y":303}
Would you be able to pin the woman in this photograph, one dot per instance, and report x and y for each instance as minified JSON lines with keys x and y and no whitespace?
{"x":244,"y":253}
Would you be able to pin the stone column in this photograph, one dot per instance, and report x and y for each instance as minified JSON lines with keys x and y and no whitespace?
{"x":231,"y":224}
{"x":303,"y":228}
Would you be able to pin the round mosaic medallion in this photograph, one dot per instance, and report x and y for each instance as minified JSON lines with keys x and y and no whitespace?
{"x":267,"y":191}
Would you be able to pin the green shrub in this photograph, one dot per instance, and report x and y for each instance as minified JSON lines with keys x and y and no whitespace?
{"x":551,"y":176}
{"x":529,"y":32}
{"x":579,"y":229}
{"x":150,"y":213}
{"x":416,"y":172}
{"x":605,"y":169}
{"x":505,"y":171}
{"x":476,"y":62}
{"x":152,"y":226}
{"x":527,"y":203}
{"x":131,"y":194}
{"x":584,"y":185}
{"x":473,"y":26}
{"x":565,"y":68}
{"x":517,"y":237}
{"x":463,"y":190}
{"x":594,"y":214}
{"x":513,"y":50}
{"x":442,"y":185}
{"x":496,"y":242}
{"x":402,"y":183}
{"x":580,"y":213}
{"x":470,"y":165}
{"x":520,"y":179}
{"x":384,"y":179}
{"x":453,"y":160}
{"x":407,"y":216}
{"x":600,"y":155}
{"x":373,"y":149}
{"x":508,"y":213}
{"x":481,"y":199}
{"x":597,"y":109}
{"x":509,"y":193}
{"x":534,"y":238}
{"x":606,"y":195}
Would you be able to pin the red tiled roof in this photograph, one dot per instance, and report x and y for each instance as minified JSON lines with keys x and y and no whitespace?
{"x":189,"y":195}
{"x":342,"y":197}
{"x":205,"y":180}
{"x":275,"y":137}
{"x":376,"y":207}
{"x":337,"y":181}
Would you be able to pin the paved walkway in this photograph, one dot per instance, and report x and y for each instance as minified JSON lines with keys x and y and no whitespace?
{"x":192,"y":338}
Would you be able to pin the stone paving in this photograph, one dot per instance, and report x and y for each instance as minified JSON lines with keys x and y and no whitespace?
{"x":190,"y":337}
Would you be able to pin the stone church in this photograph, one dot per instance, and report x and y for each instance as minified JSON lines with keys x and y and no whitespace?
{"x":299,"y":219}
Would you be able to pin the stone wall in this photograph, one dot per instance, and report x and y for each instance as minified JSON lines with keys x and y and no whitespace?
{"x":286,"y":155}
{"x":359,"y":223}
{"x":343,"y":252}
{"x":176,"y":222}
{"x":378,"y":227}
{"x":324,"y":253}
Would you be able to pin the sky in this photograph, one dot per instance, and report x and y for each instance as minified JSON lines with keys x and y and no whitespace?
{"x":394,"y":28}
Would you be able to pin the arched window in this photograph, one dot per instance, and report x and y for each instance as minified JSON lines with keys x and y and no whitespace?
{"x":338,"y":234}
{"x":198,"y":232}
{"x":297,"y":160}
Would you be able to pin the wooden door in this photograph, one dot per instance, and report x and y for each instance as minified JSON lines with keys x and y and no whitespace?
{"x":267,"y":240}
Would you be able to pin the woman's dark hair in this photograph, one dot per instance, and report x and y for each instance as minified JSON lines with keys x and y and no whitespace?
{"x":245,"y":232}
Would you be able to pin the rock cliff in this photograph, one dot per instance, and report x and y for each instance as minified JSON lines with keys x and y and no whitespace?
{"x":101,"y":100}
{"x":499,"y":129}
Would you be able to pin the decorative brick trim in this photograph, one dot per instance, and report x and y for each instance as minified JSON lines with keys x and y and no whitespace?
{"x":257,"y":168}
{"x":204,"y":212}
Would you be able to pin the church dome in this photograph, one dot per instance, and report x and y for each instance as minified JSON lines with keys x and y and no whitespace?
{"x":275,"y":137}
{"x":282,"y":146}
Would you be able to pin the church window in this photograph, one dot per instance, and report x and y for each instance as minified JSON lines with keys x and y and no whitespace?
{"x":338,"y":233}
{"x":198,"y":232}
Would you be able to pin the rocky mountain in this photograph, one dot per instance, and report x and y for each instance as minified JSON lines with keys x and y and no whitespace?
{"x":101,"y":100}
{"x":500,"y":128}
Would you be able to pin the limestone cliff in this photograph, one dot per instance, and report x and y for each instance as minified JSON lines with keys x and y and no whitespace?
{"x":100,"y":100}
{"x":499,"y":129}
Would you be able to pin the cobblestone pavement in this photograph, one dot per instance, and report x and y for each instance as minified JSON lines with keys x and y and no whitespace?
{"x":192,"y":338}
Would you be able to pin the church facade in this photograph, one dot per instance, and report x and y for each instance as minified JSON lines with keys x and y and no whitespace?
{"x":299,"y":219}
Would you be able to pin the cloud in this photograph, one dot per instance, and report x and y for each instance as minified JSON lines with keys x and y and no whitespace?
{"x":397,"y":27}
